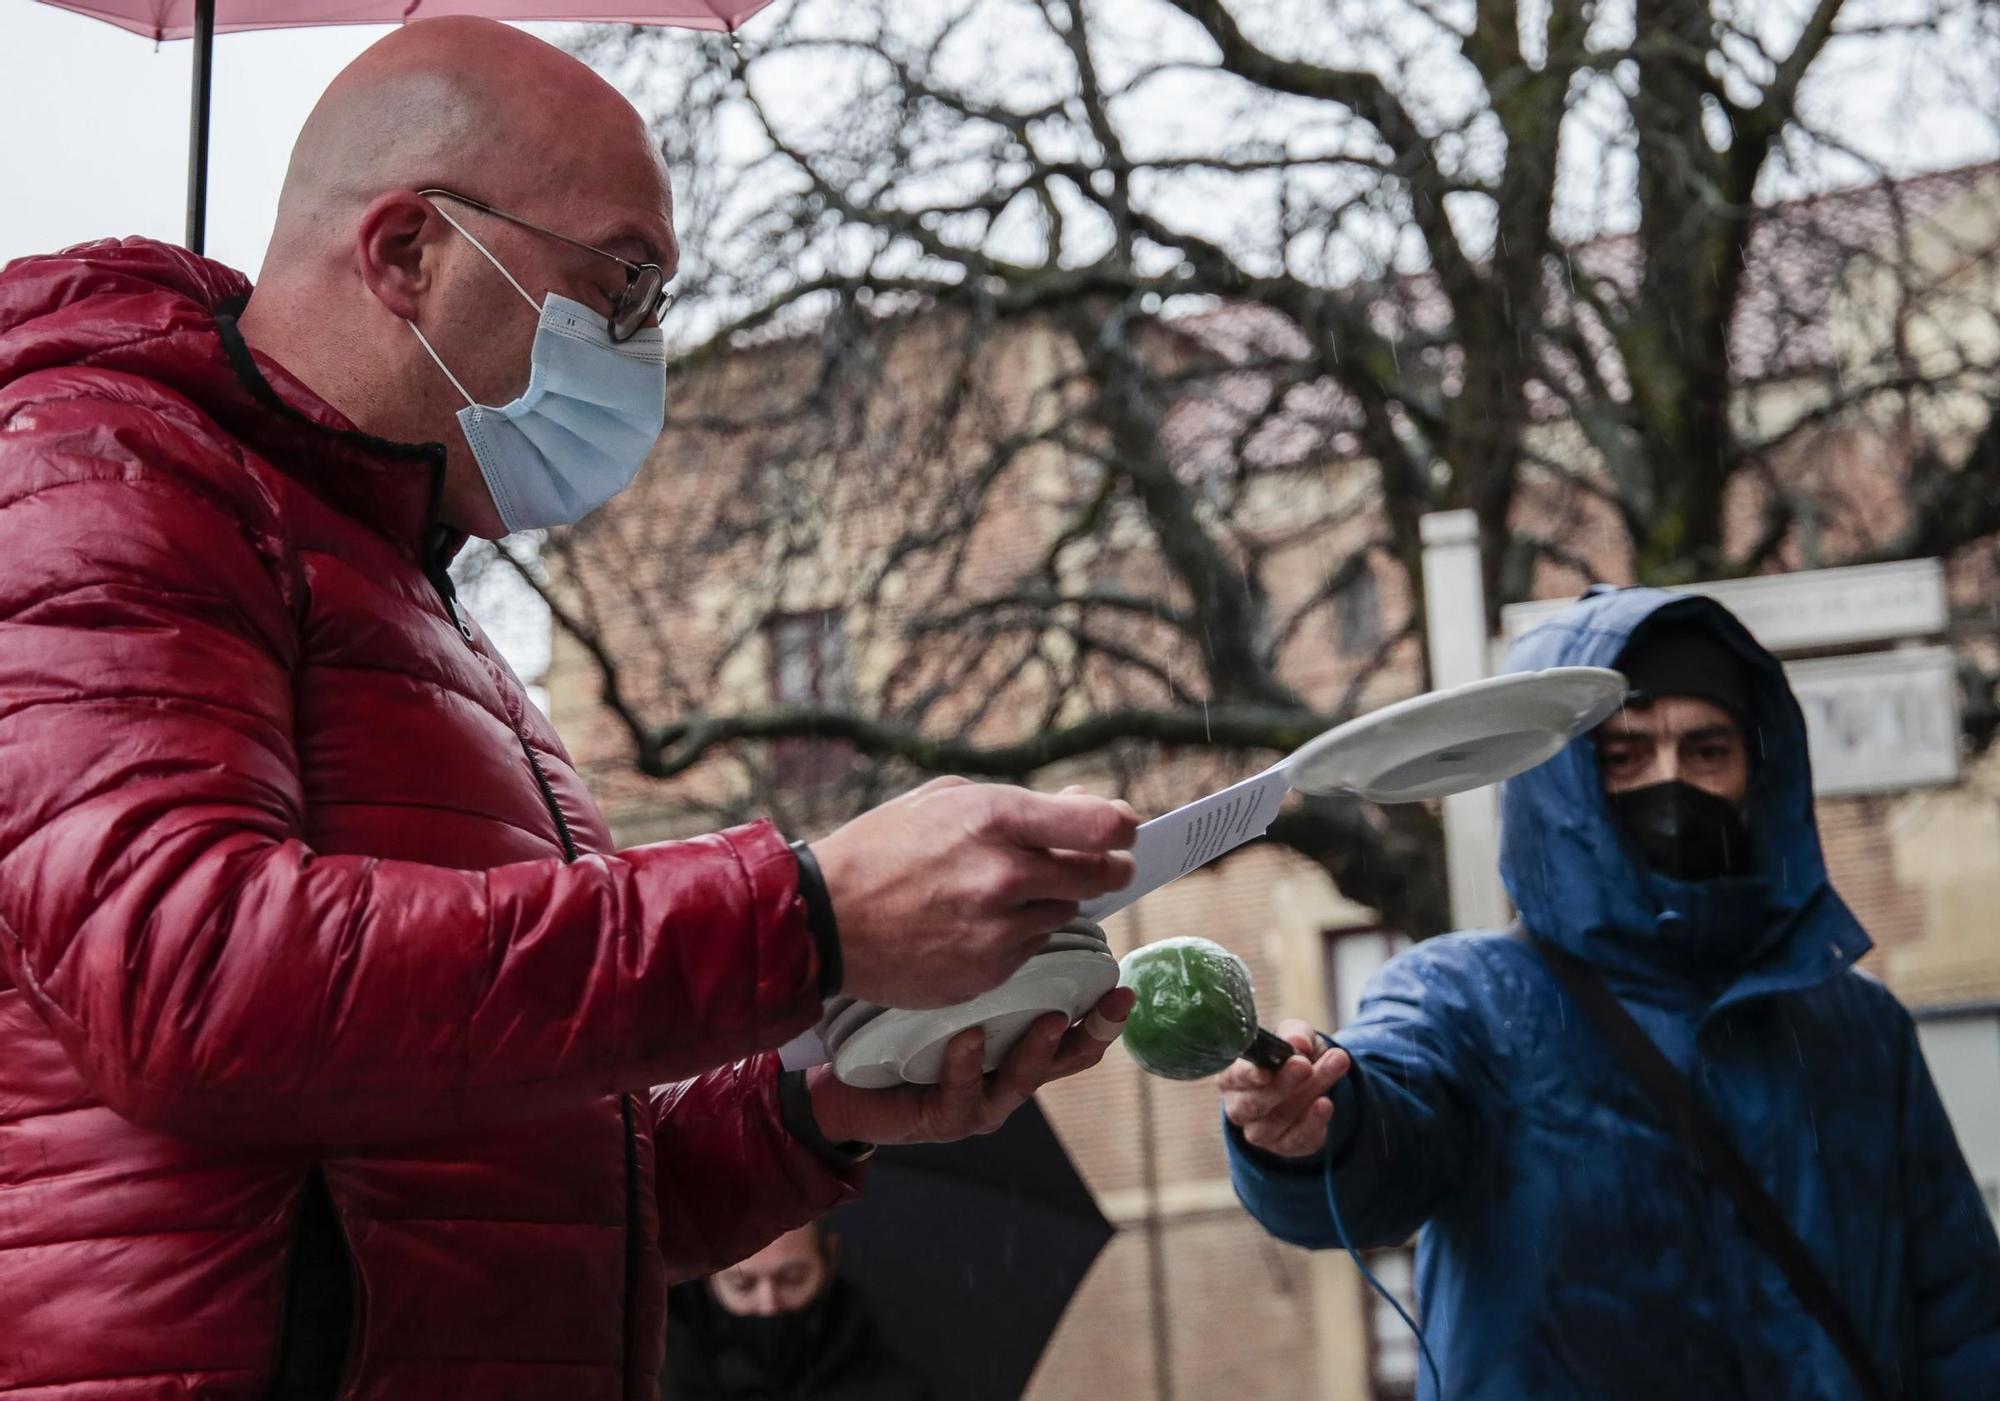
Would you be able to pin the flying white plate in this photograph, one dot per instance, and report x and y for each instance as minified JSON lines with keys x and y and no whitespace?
{"x":1450,"y":741}
{"x":899,"y":1048}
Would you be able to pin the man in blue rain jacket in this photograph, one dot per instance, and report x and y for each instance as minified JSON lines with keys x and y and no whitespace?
{"x":1570,"y":1247}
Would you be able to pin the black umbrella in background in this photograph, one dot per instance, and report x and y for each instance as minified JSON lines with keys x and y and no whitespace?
{"x":968,"y":1253}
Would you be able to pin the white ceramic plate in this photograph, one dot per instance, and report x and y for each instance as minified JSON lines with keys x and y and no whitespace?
{"x":1451,"y":741}
{"x":898,"y":1047}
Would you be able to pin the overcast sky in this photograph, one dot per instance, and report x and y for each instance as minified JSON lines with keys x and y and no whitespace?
{"x":96,"y":124}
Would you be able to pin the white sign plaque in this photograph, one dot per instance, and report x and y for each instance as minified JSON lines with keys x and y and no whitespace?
{"x":1880,"y":721}
{"x":1808,"y":611}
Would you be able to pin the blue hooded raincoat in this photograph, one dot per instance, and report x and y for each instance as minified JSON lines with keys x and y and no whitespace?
{"x":1570,"y":1248}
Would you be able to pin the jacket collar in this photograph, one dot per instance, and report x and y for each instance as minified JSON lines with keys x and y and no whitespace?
{"x":156,"y":312}
{"x":1827,"y":943}
{"x":391,"y":487}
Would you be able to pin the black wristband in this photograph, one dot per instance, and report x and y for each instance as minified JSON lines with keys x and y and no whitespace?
{"x":795,"y":1112}
{"x":819,"y":919}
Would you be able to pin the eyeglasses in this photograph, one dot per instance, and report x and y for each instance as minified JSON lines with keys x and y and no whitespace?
{"x":646,"y":296}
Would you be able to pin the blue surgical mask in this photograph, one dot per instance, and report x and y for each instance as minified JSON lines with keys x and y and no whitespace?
{"x":580,"y":431}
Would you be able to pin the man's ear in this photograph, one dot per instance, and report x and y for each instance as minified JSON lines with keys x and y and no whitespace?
{"x":397,"y":246}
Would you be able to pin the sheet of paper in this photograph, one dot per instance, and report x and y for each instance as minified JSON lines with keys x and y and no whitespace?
{"x":1189,"y":837}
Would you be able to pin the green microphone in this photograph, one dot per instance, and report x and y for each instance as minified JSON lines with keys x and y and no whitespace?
{"x":1196,"y":1011}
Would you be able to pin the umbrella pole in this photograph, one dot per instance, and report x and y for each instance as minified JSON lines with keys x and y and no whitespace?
{"x":204,"y":68}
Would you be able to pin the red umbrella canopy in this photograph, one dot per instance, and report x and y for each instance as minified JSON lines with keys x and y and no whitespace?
{"x":175,"y":19}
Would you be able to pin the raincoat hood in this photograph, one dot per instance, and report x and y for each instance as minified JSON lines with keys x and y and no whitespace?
{"x":153,"y":314}
{"x":1577,"y":884}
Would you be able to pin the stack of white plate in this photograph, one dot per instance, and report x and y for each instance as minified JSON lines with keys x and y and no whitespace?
{"x":877,"y":1047}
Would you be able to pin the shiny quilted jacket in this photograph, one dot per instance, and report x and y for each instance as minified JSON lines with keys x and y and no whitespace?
{"x":328,"y":1015}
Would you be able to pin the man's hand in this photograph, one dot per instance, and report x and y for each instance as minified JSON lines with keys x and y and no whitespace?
{"x":1285,"y":1111}
{"x":942,"y":893}
{"x":966,"y":1102}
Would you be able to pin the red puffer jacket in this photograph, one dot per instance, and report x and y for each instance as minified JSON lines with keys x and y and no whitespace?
{"x":318,"y":1059}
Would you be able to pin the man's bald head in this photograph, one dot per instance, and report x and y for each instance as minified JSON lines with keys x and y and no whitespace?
{"x":468,"y":104}
{"x":361,"y":253}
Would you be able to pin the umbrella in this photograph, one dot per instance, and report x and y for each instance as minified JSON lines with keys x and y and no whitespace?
{"x":202,"y":20}
{"x":968,"y":1253}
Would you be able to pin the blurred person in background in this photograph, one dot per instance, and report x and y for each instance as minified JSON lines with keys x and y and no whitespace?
{"x":782,"y":1326}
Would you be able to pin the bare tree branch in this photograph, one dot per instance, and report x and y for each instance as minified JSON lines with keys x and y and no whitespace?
{"x":683,"y":744}
{"x":1079,"y":423}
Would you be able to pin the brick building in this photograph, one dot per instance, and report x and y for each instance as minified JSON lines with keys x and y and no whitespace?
{"x":729,"y":587}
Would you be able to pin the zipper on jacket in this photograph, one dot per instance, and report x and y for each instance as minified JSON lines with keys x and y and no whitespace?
{"x":549,"y":797}
{"x":437,"y":568}
{"x":442,"y":580}
{"x":439,"y":574}
{"x":633,"y":1245}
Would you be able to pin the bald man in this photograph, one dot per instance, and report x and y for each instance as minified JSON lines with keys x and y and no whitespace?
{"x":341,"y":1053}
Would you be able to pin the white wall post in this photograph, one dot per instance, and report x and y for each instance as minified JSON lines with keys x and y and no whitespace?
{"x":1455,"y":617}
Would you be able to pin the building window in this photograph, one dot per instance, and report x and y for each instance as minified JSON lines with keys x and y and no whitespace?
{"x":1393,"y":1356}
{"x":1353,"y":954}
{"x":808,"y":667}
{"x":808,"y":658}
{"x":1357,"y":614}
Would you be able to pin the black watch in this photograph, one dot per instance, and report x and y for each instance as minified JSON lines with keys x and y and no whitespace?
{"x":819,"y":919}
